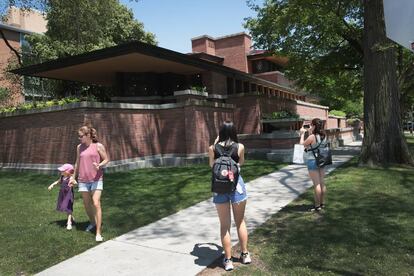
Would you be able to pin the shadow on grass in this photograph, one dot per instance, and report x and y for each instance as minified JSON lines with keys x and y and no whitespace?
{"x":366,"y":228}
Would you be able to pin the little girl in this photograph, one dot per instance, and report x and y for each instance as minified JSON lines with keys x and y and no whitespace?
{"x":66,"y":197}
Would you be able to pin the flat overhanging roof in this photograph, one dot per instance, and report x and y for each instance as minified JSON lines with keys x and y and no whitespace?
{"x":100,"y":66}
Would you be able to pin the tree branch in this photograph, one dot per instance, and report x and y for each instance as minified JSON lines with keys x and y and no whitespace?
{"x":19,"y":59}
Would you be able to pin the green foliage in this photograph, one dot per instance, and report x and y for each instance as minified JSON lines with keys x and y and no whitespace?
{"x":4,"y":93}
{"x":338,"y":113}
{"x":44,"y":104}
{"x":199,"y":88}
{"x":322,"y":41}
{"x":281,"y":115}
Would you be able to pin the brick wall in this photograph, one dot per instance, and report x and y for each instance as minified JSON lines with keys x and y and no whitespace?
{"x":311,"y":111}
{"x":215,"y":83}
{"x":51,"y":137}
{"x":246,"y":114}
{"x":233,"y":49}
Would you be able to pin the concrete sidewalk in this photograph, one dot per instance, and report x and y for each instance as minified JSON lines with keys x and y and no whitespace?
{"x":187,"y":242}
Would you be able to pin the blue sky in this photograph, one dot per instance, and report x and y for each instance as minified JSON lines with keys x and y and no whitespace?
{"x":175,"y":22}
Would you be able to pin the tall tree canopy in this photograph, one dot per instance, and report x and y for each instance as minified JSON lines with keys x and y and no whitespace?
{"x":324,"y":41}
{"x":79,"y":26}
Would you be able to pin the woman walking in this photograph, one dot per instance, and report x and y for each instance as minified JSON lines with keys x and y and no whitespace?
{"x":227,"y":142}
{"x":316,"y":137}
{"x":91,"y":157}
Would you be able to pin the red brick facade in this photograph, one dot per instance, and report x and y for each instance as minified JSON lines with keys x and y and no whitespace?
{"x":51,"y":138}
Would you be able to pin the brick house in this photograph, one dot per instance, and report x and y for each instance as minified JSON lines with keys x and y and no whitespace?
{"x":167,"y":108}
{"x":16,"y":25}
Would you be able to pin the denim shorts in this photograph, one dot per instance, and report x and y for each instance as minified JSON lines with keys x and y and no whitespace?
{"x":90,"y":186}
{"x":239,"y":195}
{"x":311,"y":164}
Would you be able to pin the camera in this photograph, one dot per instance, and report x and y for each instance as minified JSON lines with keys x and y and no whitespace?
{"x":306,"y":126}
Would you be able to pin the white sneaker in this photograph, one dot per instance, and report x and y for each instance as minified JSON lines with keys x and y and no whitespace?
{"x":245,"y":258}
{"x":99,"y":238}
{"x":228,"y":264}
{"x":69,"y":226}
{"x":90,"y":227}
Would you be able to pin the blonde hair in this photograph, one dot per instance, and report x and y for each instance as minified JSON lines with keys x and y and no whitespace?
{"x":91,"y":131}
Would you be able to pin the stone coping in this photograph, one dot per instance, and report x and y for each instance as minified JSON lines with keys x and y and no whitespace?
{"x":311,"y":104}
{"x":159,"y":160}
{"x":336,"y":117}
{"x":190,"y":92}
{"x":217,"y":96}
{"x":97,"y":105}
{"x":282,"y":120}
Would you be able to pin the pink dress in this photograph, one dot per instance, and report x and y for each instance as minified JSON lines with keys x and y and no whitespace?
{"x":87,"y":156}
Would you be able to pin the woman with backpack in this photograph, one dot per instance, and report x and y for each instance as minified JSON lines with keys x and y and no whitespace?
{"x":316,"y":138}
{"x":226,"y":156}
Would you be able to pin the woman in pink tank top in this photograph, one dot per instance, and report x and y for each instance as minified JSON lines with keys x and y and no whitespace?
{"x":90,"y":158}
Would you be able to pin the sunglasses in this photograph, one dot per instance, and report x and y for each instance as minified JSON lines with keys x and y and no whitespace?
{"x":80,"y":136}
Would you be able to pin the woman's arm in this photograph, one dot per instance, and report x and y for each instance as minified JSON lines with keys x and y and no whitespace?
{"x":76,"y":172}
{"x":211,"y":155}
{"x":104,"y":156}
{"x":310,"y":140}
{"x":241,"y":154}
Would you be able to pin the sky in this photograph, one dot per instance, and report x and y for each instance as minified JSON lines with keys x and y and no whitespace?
{"x":175,"y":22}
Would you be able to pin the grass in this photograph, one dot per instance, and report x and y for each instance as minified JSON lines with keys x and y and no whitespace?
{"x":33,"y":235}
{"x":367,"y":228}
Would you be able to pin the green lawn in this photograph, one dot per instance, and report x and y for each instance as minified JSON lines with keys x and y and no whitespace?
{"x":367,"y":228}
{"x":33,"y":235}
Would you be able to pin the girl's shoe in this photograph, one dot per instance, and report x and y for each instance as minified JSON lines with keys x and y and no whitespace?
{"x":69,"y":226}
{"x":99,"y":238}
{"x":228,"y":264}
{"x":245,"y":258}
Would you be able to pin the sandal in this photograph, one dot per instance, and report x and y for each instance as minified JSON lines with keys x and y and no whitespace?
{"x":322,"y":206}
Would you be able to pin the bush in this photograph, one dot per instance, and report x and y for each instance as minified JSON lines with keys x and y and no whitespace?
{"x":44,"y":104}
{"x":281,"y":115}
{"x":338,"y":113}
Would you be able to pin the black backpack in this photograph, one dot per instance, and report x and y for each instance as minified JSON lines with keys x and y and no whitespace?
{"x":225,"y":171}
{"x":322,"y":153}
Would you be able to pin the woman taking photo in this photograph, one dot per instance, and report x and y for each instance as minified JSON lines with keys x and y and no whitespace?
{"x":316,"y":137}
{"x":225,"y":202}
{"x":90,"y":158}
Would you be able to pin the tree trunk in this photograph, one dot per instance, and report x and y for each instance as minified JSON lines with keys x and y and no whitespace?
{"x":19,"y":59}
{"x":384,"y":140}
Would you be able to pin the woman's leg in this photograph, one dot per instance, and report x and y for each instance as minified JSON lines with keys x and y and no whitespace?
{"x":238,"y":214}
{"x":314,"y":175}
{"x":87,"y":203}
{"x":323,"y":187}
{"x":96,"y":199}
{"x":223,"y":211}
{"x":69,"y":221}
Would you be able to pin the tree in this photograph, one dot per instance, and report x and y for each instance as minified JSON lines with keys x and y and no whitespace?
{"x":324,"y":41}
{"x":383,"y":141}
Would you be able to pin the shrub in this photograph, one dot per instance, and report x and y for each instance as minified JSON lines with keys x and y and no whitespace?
{"x":281,"y":115}
{"x":338,"y":113}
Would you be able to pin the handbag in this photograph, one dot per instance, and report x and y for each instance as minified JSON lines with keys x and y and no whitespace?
{"x":298,"y":154}
{"x":322,"y":154}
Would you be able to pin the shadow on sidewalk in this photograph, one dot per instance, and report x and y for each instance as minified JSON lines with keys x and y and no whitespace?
{"x":206,"y":252}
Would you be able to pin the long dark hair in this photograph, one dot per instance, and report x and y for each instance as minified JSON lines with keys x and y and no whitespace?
{"x":228,"y":133}
{"x":318,"y":124}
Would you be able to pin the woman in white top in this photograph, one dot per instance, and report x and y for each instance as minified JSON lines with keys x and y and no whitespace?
{"x":317,"y":174}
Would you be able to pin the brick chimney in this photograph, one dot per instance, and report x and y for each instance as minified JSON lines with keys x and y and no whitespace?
{"x":233,"y":48}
